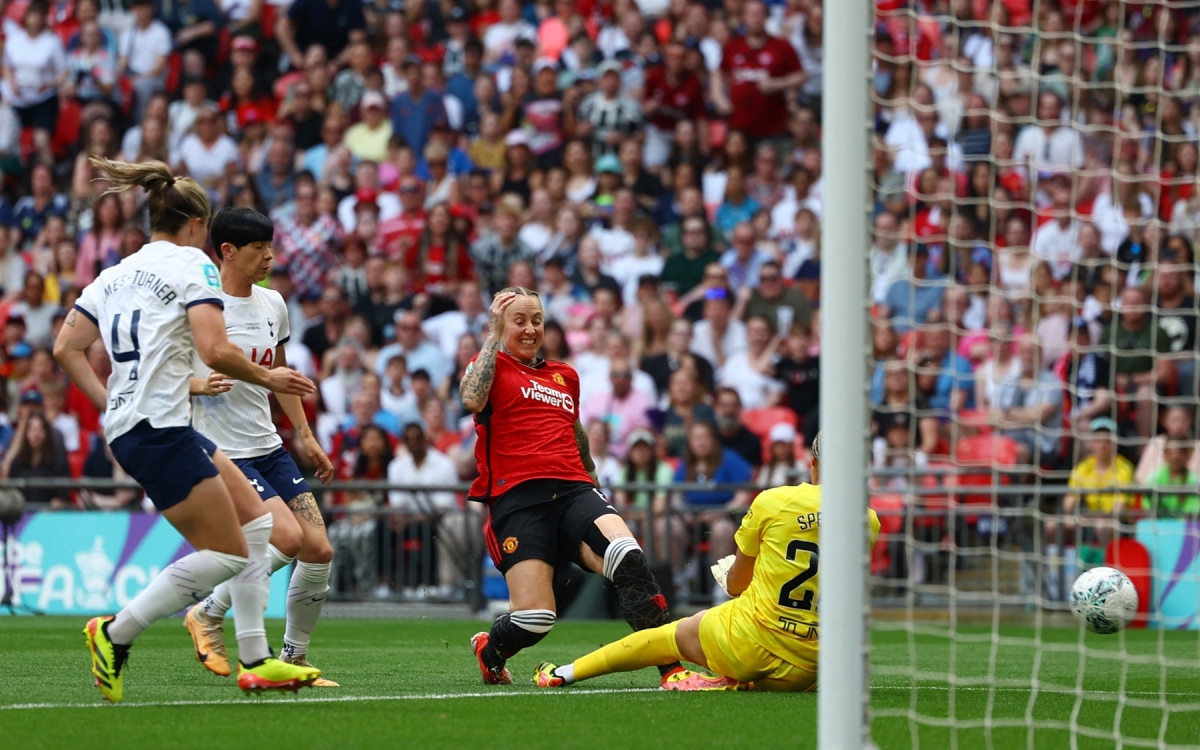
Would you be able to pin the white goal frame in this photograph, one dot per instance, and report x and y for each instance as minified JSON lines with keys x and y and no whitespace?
{"x":843,"y":697}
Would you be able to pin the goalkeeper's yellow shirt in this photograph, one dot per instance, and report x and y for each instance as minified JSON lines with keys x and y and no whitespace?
{"x":782,"y":530}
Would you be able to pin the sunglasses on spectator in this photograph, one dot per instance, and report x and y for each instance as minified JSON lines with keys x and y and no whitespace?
{"x":410,"y":189}
{"x":622,"y":375}
{"x":769,"y":277}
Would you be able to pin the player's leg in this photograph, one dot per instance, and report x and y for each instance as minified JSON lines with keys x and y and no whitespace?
{"x":607,"y":547}
{"x":205,"y":620}
{"x":192,"y":497}
{"x":250,"y":589}
{"x":531,"y":595}
{"x":309,"y":585}
{"x":654,"y":647}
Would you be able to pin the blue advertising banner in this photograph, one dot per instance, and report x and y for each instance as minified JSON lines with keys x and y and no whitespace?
{"x":73,"y":563}
{"x":1174,"y":548}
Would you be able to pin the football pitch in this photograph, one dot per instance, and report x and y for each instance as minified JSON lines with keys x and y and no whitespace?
{"x":414,"y":684}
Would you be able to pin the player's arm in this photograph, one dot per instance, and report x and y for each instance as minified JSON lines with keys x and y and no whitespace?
{"x":294,"y":409}
{"x":477,"y":382}
{"x":70,"y":350}
{"x":220,"y":354}
{"x":214,"y":385}
{"x":740,"y":574}
{"x":585,"y":451}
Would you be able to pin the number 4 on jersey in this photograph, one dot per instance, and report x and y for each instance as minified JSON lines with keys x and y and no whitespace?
{"x":134,"y":354}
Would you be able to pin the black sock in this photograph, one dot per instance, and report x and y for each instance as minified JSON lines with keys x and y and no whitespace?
{"x":505,"y":640}
{"x":642,"y":602}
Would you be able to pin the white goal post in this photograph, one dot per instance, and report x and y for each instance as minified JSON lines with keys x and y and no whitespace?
{"x":843,"y":700}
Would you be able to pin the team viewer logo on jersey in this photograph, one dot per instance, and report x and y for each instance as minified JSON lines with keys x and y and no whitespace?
{"x":211,"y":276}
{"x":539,"y":392}
{"x":510,"y":545}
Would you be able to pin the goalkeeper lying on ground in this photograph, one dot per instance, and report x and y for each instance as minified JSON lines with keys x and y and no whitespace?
{"x":767,"y":635}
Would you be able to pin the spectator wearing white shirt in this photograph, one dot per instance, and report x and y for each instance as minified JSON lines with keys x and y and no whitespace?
{"x":909,"y":134}
{"x":500,"y":39}
{"x":751,"y":372}
{"x":613,"y":236}
{"x":208,"y":155}
{"x":718,"y":336}
{"x":35,"y":65}
{"x":1112,"y":210}
{"x":1057,"y":241}
{"x":889,"y":256}
{"x":142,"y":54}
{"x":539,"y":227}
{"x":608,"y":468}
{"x":419,"y":352}
{"x":448,"y":328}
{"x":417,"y":464}
{"x":1051,"y":145}
{"x":743,"y":260}
{"x":643,"y":261}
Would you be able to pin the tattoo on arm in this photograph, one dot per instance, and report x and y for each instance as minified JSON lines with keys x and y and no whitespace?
{"x":585,"y":447}
{"x":71,"y":316}
{"x":477,"y":383}
{"x":305,"y":506}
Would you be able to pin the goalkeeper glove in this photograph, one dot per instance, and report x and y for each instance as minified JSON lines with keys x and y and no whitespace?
{"x":720,"y":572}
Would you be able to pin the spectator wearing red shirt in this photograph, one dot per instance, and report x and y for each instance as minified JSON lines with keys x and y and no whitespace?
{"x":439,"y":259}
{"x":757,"y":70}
{"x":672,"y":93}
{"x":399,"y":235}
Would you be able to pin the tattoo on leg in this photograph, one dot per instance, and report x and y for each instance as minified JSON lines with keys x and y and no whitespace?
{"x":305,"y":506}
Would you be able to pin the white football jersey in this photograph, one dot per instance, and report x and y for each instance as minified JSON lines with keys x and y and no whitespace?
{"x":140,"y":306}
{"x":239,"y":420}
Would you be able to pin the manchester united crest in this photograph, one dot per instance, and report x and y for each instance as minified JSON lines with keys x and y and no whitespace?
{"x":558,"y":379}
{"x":510,"y":545}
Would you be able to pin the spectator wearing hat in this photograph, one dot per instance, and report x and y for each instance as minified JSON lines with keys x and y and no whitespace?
{"x":369,"y":138}
{"x":607,"y":117}
{"x":333,"y":24}
{"x":494,"y":252}
{"x":642,"y":466}
{"x":780,"y":468}
{"x":756,"y":73}
{"x":143,"y":50}
{"x":418,"y":110}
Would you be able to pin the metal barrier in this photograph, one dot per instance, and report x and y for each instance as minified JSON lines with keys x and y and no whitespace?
{"x":989,"y":543}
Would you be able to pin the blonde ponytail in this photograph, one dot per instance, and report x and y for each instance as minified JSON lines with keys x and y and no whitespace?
{"x":174,"y":201}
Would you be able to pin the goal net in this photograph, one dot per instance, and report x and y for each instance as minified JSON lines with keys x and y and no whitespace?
{"x":1033,"y":379}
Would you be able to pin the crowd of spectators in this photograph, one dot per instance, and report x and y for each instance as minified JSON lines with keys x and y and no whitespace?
{"x":654,"y":169}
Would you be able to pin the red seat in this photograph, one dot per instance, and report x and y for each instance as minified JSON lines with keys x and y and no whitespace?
{"x":977,"y":457}
{"x":760,"y":421}
{"x":66,"y":131}
{"x":890,"y":509}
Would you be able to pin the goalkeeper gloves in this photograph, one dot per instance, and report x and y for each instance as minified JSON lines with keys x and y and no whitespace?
{"x":720,"y":572}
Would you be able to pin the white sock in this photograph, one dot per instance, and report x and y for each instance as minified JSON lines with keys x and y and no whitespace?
{"x":1052,"y":573}
{"x":567,"y":672}
{"x":181,"y":583}
{"x":249,"y":591}
{"x":219,"y":602}
{"x":306,"y":598}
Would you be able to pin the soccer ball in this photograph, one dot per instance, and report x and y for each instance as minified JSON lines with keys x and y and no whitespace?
{"x":1104,"y":600}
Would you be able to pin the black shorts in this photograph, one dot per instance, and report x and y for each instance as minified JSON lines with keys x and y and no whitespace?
{"x":167,"y":461}
{"x":550,"y":530}
{"x":43,"y":116}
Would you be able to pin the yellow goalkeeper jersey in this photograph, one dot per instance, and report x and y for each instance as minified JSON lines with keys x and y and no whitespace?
{"x":782,"y":530}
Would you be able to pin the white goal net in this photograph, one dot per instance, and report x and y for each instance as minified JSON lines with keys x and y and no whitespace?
{"x":1033,"y":370}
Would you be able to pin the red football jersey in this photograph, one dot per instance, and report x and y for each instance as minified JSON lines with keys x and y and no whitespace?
{"x":398,"y":234}
{"x":675,"y":103}
{"x":757,"y":114}
{"x":527,"y":429}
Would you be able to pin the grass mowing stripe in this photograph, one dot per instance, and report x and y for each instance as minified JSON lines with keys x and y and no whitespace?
{"x":325,"y":699}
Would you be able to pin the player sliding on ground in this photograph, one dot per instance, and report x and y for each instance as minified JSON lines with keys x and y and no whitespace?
{"x":237,"y":417}
{"x":764,"y":639}
{"x":155,"y":311}
{"x":537,"y":476}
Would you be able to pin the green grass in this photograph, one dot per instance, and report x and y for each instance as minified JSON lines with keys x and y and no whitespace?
{"x":413,"y":684}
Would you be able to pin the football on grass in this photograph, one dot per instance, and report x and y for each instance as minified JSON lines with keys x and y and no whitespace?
{"x":1104,"y":600}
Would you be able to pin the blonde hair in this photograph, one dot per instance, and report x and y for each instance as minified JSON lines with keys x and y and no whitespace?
{"x":174,"y":201}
